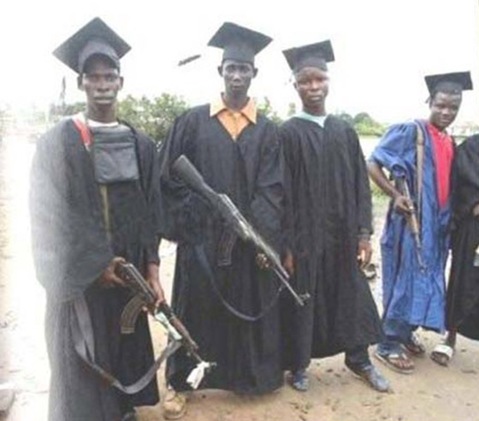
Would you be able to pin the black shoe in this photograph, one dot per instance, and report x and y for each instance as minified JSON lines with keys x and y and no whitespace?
{"x":299,"y":380}
{"x":373,"y":377}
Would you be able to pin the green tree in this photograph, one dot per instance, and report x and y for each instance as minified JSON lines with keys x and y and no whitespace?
{"x":346,"y":117}
{"x":152,"y":116}
{"x":365,"y":125}
{"x":265,"y":108}
{"x":362,"y":118}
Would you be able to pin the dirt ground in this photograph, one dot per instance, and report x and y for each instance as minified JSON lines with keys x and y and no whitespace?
{"x":432,"y":393}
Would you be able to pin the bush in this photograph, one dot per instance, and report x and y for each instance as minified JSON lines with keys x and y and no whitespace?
{"x":152,"y":116}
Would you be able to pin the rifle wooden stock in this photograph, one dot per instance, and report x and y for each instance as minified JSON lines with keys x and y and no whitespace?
{"x":413,"y":222}
{"x":145,"y":296}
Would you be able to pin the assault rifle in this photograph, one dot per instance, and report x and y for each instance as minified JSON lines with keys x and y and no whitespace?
{"x":145,"y":296}
{"x":221,"y":203}
{"x":413,"y":222}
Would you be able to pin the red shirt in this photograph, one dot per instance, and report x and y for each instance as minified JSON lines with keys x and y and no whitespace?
{"x":443,"y":152}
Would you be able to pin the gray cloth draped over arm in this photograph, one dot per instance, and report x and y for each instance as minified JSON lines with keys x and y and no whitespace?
{"x":70,"y":245}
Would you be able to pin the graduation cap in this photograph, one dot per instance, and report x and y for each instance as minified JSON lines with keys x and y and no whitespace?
{"x":451,"y":82}
{"x":312,"y":55}
{"x":239,"y":43}
{"x":96,"y":37}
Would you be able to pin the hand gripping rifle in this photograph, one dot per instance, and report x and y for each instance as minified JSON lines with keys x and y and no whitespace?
{"x":221,"y":203}
{"x":413,"y":222}
{"x":145,"y":296}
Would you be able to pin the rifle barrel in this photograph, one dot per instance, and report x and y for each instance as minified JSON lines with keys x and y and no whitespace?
{"x":185,"y":170}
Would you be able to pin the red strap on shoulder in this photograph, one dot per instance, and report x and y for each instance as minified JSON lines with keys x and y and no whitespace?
{"x":84,"y":131}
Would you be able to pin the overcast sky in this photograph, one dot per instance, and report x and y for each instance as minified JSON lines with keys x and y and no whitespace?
{"x":383,"y":48}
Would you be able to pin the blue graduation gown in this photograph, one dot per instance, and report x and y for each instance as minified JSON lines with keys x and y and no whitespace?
{"x":410,"y":295}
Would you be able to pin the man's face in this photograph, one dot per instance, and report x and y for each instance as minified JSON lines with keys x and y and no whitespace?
{"x":101,"y":82}
{"x":444,"y":108}
{"x":312,"y":85}
{"x":237,"y":76}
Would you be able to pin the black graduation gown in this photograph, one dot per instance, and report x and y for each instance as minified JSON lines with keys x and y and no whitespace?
{"x":247,"y":170}
{"x":462,"y":305}
{"x":329,"y":202}
{"x":71,"y":249}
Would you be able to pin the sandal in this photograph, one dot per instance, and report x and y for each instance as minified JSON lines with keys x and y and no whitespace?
{"x":370,"y":271}
{"x":396,"y":361}
{"x":174,"y":405}
{"x":414,"y":346}
{"x":442,"y":354}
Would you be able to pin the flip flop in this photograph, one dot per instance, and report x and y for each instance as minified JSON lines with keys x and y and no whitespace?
{"x":414,"y":346}
{"x":442,"y":354}
{"x":370,"y":271}
{"x":392,"y":360}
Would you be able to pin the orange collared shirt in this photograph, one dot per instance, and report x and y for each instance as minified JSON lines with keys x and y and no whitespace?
{"x":234,"y":121}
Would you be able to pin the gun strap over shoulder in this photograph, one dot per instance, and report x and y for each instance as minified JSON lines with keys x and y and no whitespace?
{"x":84,"y":344}
{"x":85,"y":133}
{"x":419,"y":169}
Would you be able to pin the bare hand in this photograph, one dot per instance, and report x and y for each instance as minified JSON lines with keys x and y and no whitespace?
{"x":262,"y":261}
{"x":153,"y":279}
{"x":365,"y":252}
{"x":475,"y":210}
{"x":109,"y":278}
{"x":403,"y":205}
{"x":288,"y":263}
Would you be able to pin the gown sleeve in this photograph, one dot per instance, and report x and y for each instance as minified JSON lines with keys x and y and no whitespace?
{"x":268,"y":199}
{"x":183,"y":212}
{"x":397,"y":144}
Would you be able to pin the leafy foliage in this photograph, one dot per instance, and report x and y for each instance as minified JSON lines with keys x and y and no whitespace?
{"x":153,"y":116}
{"x":365,"y":125}
{"x":264,"y":107}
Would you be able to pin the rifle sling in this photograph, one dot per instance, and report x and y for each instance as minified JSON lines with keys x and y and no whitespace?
{"x":419,"y":171}
{"x":81,"y":328}
{"x":84,"y":344}
{"x":205,"y":265}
